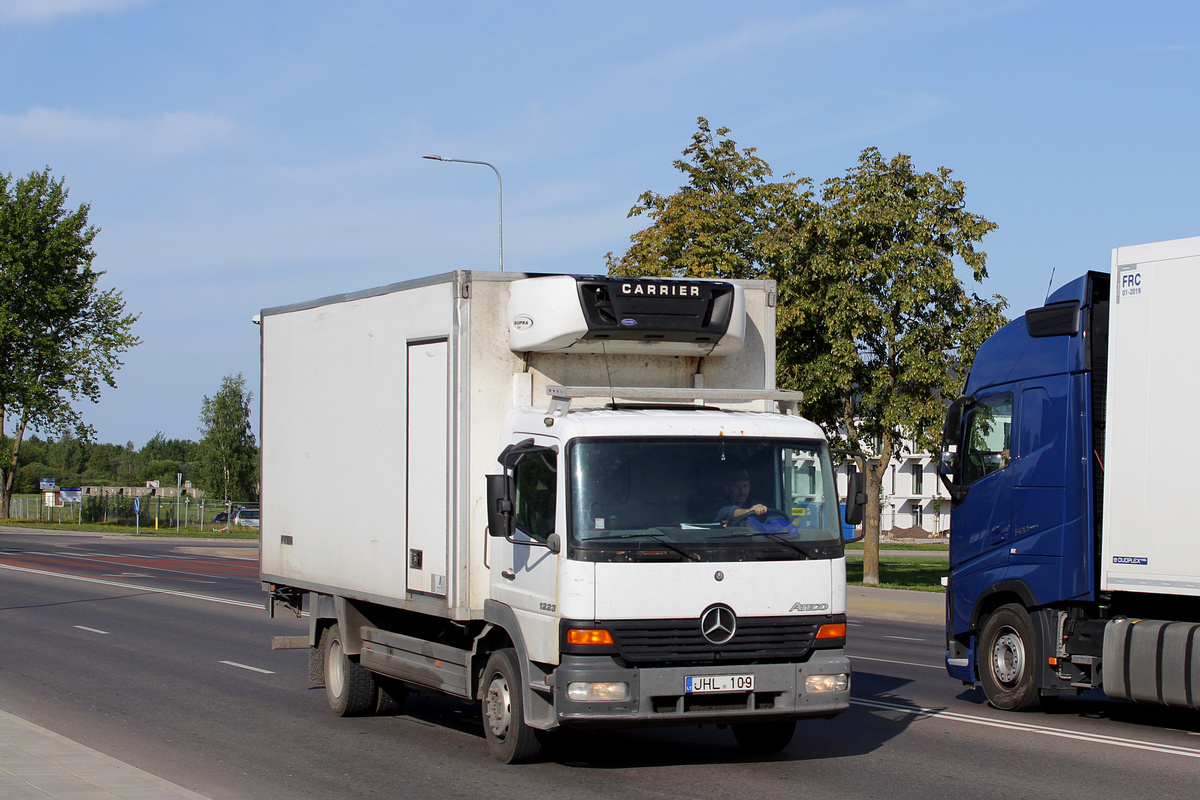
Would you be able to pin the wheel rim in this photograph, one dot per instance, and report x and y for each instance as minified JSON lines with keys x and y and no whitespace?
{"x":1008,"y":657}
{"x":335,"y":668}
{"x":499,"y":707}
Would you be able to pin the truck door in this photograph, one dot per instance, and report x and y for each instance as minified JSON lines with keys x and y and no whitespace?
{"x":427,"y":466}
{"x":981,"y":525}
{"x":525,"y":576}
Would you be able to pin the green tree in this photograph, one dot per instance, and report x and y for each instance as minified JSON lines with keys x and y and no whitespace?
{"x":875,"y":325}
{"x":160,"y":448}
{"x":227,"y":458}
{"x":60,"y":336}
{"x":726,"y":222}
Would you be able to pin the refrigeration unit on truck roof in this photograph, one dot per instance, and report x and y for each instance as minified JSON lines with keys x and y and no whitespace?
{"x":565,"y":313}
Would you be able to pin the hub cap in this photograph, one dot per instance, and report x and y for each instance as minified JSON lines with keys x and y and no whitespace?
{"x":499,"y":707}
{"x":335,"y":669}
{"x":1008,"y":657}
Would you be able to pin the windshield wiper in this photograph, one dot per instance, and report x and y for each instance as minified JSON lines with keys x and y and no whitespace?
{"x":809,"y":554}
{"x":654,"y":537}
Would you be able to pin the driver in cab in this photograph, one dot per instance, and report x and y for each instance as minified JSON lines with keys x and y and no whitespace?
{"x":737,"y":499}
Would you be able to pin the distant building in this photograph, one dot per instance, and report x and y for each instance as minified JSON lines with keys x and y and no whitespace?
{"x":915,"y":503}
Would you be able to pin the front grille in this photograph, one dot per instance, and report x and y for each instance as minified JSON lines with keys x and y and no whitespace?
{"x":679,"y":641}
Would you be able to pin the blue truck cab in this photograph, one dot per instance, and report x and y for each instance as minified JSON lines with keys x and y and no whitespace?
{"x":1021,"y":458}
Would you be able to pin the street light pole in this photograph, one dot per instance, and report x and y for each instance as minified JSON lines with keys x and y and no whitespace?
{"x":499,"y":182}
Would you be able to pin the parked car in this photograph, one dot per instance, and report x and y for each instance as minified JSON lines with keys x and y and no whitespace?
{"x":246,"y":517}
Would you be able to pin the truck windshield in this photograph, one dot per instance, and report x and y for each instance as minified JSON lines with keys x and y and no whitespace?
{"x":659,"y":499}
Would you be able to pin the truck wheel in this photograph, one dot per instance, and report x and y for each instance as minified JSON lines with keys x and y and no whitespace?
{"x":349,"y":687}
{"x":509,"y":739}
{"x":391,"y":695}
{"x":764,"y":737}
{"x":1008,"y":659}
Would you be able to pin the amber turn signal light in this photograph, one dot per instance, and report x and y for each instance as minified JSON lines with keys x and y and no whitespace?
{"x":589,"y":636}
{"x":832,"y":630}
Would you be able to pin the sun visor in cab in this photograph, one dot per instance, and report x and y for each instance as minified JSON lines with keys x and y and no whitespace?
{"x":663,"y":316}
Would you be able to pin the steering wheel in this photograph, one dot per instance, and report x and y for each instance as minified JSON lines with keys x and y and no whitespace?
{"x":763,"y":517}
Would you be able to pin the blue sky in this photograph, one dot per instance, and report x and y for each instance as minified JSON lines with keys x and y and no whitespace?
{"x":243,"y":155}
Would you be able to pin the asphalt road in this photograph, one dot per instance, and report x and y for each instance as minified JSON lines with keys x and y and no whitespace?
{"x":161,"y":658}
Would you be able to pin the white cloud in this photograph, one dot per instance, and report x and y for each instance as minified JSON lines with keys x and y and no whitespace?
{"x":1167,"y":48}
{"x":46,"y":10}
{"x":169,"y":135}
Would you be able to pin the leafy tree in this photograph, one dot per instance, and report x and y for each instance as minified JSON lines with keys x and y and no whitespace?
{"x":876,"y":326}
{"x":160,"y":448}
{"x":724,"y":223}
{"x":227,"y":458}
{"x":60,"y":336}
{"x":873,"y":324}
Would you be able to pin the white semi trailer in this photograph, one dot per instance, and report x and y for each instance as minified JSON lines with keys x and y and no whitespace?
{"x":529,"y":474}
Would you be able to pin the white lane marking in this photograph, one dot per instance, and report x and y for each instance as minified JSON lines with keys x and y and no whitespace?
{"x":901,"y":663}
{"x":244,"y":666}
{"x":150,"y":589}
{"x":906,"y":638}
{"x":1095,"y":738}
{"x":92,"y":630}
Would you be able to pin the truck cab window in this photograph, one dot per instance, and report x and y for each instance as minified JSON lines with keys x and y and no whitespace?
{"x":535,"y":478}
{"x":988,"y":439}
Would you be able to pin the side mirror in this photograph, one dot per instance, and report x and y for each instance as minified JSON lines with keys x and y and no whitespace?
{"x":500,"y":491}
{"x":501,"y":521}
{"x":856,"y":499}
{"x":948,"y":461}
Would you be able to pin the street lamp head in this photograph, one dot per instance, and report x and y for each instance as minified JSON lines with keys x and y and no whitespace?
{"x":499,"y":186}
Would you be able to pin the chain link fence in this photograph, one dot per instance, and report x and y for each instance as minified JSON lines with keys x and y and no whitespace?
{"x":152,"y":512}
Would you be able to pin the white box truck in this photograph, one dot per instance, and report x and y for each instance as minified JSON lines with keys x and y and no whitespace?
{"x":577,"y":501}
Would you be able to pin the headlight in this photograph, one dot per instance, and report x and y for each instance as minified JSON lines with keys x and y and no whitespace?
{"x":583,"y":692}
{"x":817,"y":684}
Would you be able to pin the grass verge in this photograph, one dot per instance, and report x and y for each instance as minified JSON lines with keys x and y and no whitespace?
{"x":921,"y":574}
{"x":932,"y":547}
{"x":146,"y":530}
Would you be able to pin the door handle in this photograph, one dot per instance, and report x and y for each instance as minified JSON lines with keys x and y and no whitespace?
{"x":998,"y":535}
{"x":508,"y":575}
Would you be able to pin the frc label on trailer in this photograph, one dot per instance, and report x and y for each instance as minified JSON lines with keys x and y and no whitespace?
{"x":1132,"y":282}
{"x":1139,"y":561}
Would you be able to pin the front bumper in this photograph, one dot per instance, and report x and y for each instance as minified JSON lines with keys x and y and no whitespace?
{"x":657,"y":696}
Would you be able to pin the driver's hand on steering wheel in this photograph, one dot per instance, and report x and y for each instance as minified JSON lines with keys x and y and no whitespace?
{"x":756,"y":509}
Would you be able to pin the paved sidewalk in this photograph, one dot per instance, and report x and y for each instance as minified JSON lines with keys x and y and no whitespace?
{"x":872,"y":601}
{"x":37,"y":764}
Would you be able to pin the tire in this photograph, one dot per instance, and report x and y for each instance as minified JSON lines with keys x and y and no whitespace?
{"x":764,"y":737}
{"x":392,"y":694}
{"x":1008,"y":659}
{"x":509,"y":739}
{"x":349,"y":688}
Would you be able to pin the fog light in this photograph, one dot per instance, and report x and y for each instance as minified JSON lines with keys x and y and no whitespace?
{"x":817,"y":684}
{"x":582,"y":692}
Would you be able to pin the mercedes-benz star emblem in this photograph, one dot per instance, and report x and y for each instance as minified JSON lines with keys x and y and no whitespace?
{"x":718,"y":624}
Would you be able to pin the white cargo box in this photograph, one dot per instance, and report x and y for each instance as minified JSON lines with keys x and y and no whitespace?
{"x":382,"y":414}
{"x":1150,"y":539}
